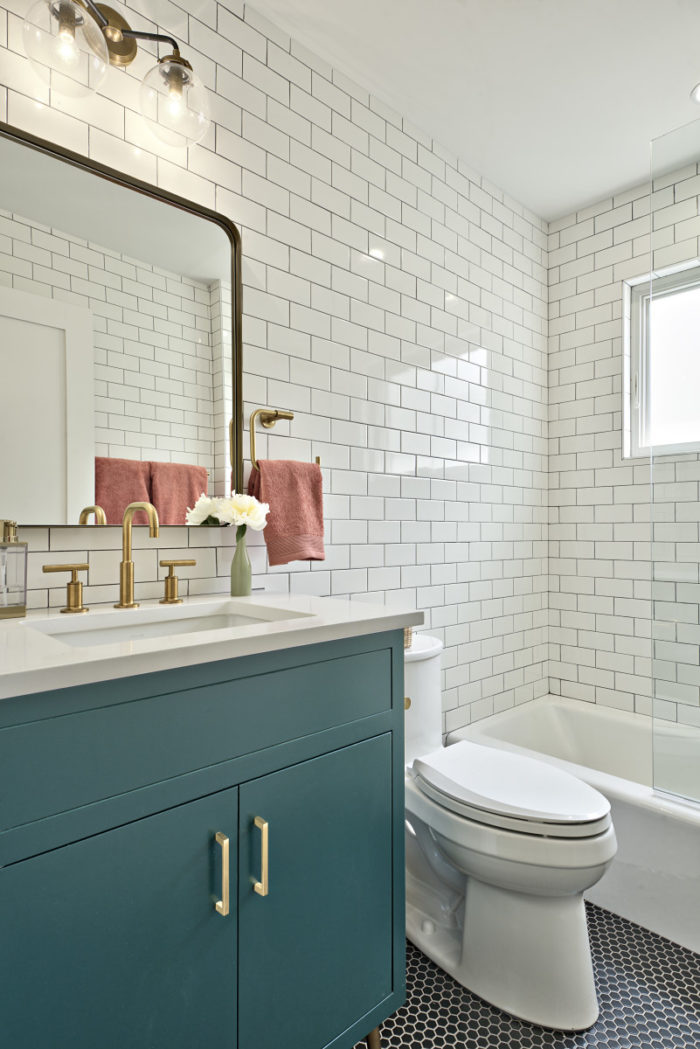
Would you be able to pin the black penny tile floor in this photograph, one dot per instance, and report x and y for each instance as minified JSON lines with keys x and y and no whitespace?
{"x":648,"y":990}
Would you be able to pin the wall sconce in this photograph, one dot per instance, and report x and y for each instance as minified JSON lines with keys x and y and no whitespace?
{"x":70,"y":44}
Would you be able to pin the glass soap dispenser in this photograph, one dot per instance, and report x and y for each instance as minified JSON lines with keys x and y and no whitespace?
{"x":13,"y":572}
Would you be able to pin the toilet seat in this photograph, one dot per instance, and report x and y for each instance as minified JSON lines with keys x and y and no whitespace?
{"x":512,"y":792}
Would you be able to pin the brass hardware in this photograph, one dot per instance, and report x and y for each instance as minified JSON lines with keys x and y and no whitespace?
{"x":100,"y":517}
{"x":222,"y":905}
{"x":268,"y":418}
{"x":9,"y":532}
{"x":262,"y":887}
{"x":171,"y":581}
{"x":407,"y":636}
{"x":406,"y":702}
{"x":74,"y":590}
{"x":122,"y":50}
{"x":126,"y":567}
{"x":373,"y":1040}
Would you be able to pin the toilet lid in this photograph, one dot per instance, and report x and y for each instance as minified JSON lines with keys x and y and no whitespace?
{"x":470,"y":776}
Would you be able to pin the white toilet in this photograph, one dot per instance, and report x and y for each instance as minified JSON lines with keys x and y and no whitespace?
{"x":499,"y":851}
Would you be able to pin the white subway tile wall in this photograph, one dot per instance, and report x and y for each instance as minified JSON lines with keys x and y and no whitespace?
{"x":393,"y":300}
{"x":601,"y":504}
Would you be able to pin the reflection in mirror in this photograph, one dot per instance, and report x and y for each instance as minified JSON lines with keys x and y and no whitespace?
{"x":118,"y":371}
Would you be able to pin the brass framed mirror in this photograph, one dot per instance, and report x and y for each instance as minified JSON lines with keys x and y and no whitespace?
{"x":120,"y":336}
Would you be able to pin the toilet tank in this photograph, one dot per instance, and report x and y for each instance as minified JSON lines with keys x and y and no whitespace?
{"x":422,"y":686}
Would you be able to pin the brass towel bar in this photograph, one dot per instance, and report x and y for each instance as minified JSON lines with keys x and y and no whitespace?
{"x":268,"y":417}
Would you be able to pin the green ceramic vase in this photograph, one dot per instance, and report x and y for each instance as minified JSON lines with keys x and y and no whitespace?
{"x":240,"y":566}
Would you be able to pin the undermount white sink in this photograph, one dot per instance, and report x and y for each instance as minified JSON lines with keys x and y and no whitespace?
{"x":137,"y":624}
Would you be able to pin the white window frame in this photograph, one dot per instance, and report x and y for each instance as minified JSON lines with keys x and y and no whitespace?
{"x":638,"y":296}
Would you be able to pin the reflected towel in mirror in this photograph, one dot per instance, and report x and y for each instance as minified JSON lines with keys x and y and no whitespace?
{"x":119,"y":482}
{"x":174,"y":488}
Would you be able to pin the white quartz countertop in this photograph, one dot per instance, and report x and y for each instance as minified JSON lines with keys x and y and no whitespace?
{"x":43,"y":652}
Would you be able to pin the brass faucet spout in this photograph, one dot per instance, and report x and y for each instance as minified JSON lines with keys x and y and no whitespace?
{"x":100,"y":518}
{"x":126,"y":568}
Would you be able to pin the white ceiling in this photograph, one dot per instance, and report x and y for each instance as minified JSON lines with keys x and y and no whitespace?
{"x":554,"y":101}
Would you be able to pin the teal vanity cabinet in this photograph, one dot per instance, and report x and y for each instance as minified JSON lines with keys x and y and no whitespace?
{"x":110,"y":941}
{"x":206,"y":856}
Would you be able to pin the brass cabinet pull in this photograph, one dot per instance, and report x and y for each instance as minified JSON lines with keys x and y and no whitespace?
{"x":406,"y":702}
{"x":262,"y":887}
{"x":222,"y":905}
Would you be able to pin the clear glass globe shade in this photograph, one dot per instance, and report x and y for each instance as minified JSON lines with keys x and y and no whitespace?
{"x":66,"y":47}
{"x":175,"y":104}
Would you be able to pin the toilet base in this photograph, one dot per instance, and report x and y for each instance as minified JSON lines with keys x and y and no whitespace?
{"x":527,"y":955}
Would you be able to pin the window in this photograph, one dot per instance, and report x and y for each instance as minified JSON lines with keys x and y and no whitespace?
{"x":664,"y":383}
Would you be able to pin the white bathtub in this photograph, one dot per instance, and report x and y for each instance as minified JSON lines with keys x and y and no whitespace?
{"x":655,"y":878}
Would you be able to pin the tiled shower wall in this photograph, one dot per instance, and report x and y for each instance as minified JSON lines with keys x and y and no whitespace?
{"x":392,"y":300}
{"x":601,"y":503}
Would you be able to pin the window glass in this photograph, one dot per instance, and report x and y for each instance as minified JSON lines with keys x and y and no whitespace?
{"x":661,"y":364}
{"x":673,"y":368}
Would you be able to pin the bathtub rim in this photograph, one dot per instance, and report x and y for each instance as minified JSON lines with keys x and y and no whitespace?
{"x":612,"y":786}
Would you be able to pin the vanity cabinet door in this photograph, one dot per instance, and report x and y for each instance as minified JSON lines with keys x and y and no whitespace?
{"x":315,"y":953}
{"x":116,"y":941}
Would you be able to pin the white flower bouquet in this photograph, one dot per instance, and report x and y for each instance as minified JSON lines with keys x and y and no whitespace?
{"x":241,"y":510}
{"x":238,"y":509}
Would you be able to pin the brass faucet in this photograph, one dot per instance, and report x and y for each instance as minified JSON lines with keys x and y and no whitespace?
{"x":100,"y":518}
{"x":126,"y":568}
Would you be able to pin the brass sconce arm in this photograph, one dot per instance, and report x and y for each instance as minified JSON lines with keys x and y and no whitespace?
{"x":133,"y":34}
{"x":97,"y":14}
{"x":116,"y":33}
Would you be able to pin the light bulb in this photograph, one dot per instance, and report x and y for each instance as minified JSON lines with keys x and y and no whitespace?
{"x":175,"y":100}
{"x":66,"y":47}
{"x":175,"y":103}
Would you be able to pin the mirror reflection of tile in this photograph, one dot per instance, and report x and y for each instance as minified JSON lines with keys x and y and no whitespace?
{"x":157,"y":294}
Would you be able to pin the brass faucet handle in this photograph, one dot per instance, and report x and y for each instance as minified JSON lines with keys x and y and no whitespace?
{"x":171,"y":581}
{"x":74,"y":589}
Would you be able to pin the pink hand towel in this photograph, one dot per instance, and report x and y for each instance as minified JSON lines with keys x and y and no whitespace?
{"x":119,"y":482}
{"x":294,"y":491}
{"x":174,"y":488}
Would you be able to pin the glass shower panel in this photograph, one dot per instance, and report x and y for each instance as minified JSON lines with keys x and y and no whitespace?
{"x":665,"y":356}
